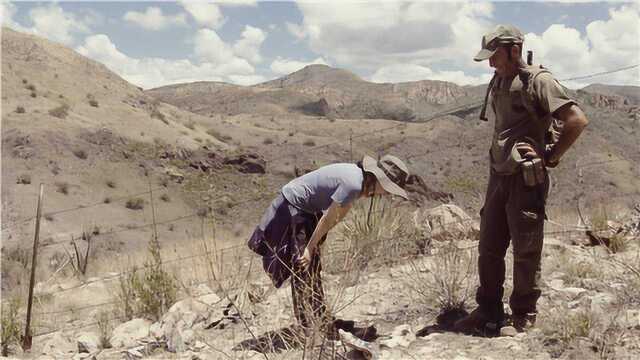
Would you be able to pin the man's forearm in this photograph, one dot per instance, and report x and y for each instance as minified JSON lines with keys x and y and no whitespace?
{"x":574,"y":123}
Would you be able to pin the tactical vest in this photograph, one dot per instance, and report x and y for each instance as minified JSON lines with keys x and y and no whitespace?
{"x":539,"y":129}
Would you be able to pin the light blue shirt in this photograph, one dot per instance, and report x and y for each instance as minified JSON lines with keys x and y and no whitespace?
{"x":315,"y":191}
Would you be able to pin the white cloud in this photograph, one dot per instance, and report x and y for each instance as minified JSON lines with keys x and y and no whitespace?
{"x":248,"y":46}
{"x":411,"y":72}
{"x":371,"y":35}
{"x":210,"y":47}
{"x":204,"y":13}
{"x":154,"y":19}
{"x":237,"y":2}
{"x":296,"y":30}
{"x":55,"y":24}
{"x":607,"y":44}
{"x":247,"y":80}
{"x":154,"y":72}
{"x":7,"y":11}
{"x":283,"y":66}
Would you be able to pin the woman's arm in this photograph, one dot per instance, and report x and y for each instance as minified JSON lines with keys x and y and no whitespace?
{"x":331,"y":218}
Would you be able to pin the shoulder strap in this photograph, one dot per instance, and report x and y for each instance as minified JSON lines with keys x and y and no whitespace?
{"x":527,"y":76}
{"x":483,"y":112}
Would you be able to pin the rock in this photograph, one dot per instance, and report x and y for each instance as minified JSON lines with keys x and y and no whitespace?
{"x":247,"y":163}
{"x":601,"y":301}
{"x":401,"y":336}
{"x":367,"y":349}
{"x":508,"y":331}
{"x":155,"y":330}
{"x":445,"y":221}
{"x":58,"y":346}
{"x":202,"y":290}
{"x":88,"y":343}
{"x":127,"y":334}
{"x":210,"y":299}
{"x":572,"y":292}
{"x":174,"y":174}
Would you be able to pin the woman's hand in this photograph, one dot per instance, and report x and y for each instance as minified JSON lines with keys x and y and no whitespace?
{"x":305,"y":259}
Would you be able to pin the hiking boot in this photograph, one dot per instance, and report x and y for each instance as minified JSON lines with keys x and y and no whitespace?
{"x":477,"y":323}
{"x":523,"y":322}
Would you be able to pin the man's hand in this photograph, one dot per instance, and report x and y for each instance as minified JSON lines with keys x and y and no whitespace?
{"x":305,"y":259}
{"x":526,"y":150}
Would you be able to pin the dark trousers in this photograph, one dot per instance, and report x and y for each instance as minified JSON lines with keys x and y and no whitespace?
{"x":512,"y":212}
{"x":306,"y":284}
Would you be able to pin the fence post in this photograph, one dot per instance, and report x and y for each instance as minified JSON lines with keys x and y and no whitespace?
{"x":27,"y":340}
{"x":350,"y":145}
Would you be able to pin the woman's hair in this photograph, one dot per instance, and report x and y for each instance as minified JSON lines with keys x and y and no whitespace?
{"x":369,"y":179}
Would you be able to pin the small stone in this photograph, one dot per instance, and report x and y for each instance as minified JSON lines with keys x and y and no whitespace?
{"x":508,"y":331}
{"x":88,"y":343}
{"x":128,"y":333}
{"x":573,"y":292}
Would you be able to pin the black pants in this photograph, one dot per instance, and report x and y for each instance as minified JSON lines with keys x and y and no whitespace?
{"x":512,"y":212}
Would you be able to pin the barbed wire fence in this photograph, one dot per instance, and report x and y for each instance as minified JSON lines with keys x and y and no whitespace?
{"x":180,"y":261}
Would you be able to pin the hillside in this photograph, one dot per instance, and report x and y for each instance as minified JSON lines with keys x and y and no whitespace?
{"x":195,"y":165}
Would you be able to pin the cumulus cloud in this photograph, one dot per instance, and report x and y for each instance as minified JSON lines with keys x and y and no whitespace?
{"x":7,"y":11}
{"x":249,"y":44}
{"x":154,"y":19}
{"x":204,"y":13}
{"x":51,"y":22}
{"x":283,"y":66}
{"x":410,"y":72}
{"x":154,"y":72}
{"x":607,"y":44}
{"x":396,"y":32}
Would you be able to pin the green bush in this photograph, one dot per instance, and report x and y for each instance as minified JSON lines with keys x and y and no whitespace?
{"x":148,"y":292}
{"x":10,"y":326}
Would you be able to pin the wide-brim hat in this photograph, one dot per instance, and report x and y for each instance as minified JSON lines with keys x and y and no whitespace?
{"x":391,"y":173}
{"x":501,"y":35}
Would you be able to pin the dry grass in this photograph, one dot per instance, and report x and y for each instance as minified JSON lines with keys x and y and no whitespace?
{"x":447,"y":279}
{"x":135,"y":204}
{"x":11,"y":326}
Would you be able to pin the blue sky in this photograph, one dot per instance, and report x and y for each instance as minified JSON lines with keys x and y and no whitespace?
{"x":246,"y":42}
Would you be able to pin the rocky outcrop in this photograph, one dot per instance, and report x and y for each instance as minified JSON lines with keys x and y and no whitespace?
{"x":445,"y":222}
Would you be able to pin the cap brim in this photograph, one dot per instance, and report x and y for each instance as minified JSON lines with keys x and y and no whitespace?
{"x":371,"y":165}
{"x":484,"y":54}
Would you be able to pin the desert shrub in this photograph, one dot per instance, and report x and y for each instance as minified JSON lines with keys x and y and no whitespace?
{"x":25,"y":81}
{"x":135,"y":204}
{"x":267,"y":141}
{"x":111,"y":184}
{"x":150,"y":291}
{"x":291,"y":133}
{"x":309,"y":142}
{"x":198,"y":140}
{"x":107,"y":200}
{"x":20,"y":110}
{"x":563,"y":327}
{"x":80,"y":154}
{"x":10,"y":334}
{"x":379,"y":237}
{"x":33,"y":95}
{"x":31,"y":87}
{"x":105,"y":327}
{"x":62,"y":187}
{"x":23,"y":179}
{"x":48,"y":217}
{"x":165,"y":198}
{"x":93,"y":102}
{"x":448,"y":278}
{"x":20,"y":255}
{"x":60,"y":112}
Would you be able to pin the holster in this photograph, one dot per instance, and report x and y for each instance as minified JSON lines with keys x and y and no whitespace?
{"x":533,"y":171}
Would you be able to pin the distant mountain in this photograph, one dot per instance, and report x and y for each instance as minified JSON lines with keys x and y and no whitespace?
{"x":631,"y":93}
{"x":319,"y":90}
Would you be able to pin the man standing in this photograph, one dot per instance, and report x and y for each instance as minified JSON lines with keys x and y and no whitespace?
{"x":525,"y":100}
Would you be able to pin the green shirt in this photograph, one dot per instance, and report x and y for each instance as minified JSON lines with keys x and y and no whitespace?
{"x":519,"y":119}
